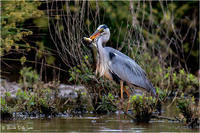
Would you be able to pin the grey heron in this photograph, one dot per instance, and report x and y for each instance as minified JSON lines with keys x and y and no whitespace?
{"x":117,"y":66}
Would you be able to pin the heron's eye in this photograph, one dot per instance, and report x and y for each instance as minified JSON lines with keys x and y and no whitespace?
{"x":104,"y":31}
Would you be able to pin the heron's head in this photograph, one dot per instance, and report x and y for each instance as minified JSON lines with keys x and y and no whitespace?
{"x":103,"y":32}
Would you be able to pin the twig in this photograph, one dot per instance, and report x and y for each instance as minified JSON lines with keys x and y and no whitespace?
{"x":131,"y":117}
{"x":163,"y":117}
{"x":173,"y":99}
{"x":9,"y":59}
{"x":178,"y":119}
{"x":122,"y":109}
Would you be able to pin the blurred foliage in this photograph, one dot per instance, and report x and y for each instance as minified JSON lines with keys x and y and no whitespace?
{"x":189,"y":110}
{"x":29,"y":77}
{"x":163,"y":94}
{"x":81,"y":74}
{"x":6,"y":110}
{"x":35,"y":97}
{"x":39,"y":100}
{"x":185,"y":82}
{"x":143,"y":107}
{"x":167,"y":78}
{"x":14,"y":14}
{"x":106,"y":105}
{"x":22,"y":22}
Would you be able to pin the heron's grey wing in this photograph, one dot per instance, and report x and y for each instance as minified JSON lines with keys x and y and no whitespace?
{"x":129,"y":60}
{"x":128,"y":70}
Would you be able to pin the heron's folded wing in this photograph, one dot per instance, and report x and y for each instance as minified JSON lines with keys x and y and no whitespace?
{"x":128,"y":70}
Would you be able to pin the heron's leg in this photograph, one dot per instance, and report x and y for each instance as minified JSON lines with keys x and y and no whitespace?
{"x":127,"y":92}
{"x":122,"y":98}
{"x":121,"y":86}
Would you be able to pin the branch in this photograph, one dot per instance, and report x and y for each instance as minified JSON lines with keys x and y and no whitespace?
{"x":164,"y":117}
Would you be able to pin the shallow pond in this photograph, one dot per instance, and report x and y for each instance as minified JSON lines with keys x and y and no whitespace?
{"x":97,"y":123}
{"x":106,"y":123}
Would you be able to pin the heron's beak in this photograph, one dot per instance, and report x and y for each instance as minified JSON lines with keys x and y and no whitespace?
{"x":96,"y":34}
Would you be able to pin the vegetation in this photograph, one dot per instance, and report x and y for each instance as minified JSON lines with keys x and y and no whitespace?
{"x":6,"y":111}
{"x":41,"y":42}
{"x":13,"y":32}
{"x":40,"y":98}
{"x":106,"y":105}
{"x":143,"y":107}
{"x":189,"y":110}
{"x":155,"y":45}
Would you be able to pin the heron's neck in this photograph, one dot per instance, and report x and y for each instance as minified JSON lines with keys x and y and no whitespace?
{"x":100,"y":46}
{"x":101,"y":59}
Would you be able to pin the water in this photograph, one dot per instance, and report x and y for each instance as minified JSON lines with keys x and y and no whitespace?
{"x":97,"y":123}
{"x":92,"y":123}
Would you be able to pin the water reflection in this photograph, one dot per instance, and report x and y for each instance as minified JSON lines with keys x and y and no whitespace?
{"x":94,"y":123}
{"x":108,"y":123}
{"x":17,"y":126}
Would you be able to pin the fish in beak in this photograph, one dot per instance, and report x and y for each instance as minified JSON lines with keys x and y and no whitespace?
{"x":93,"y":36}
